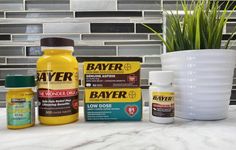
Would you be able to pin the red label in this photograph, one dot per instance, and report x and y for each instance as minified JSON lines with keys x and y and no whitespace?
{"x":57,"y":93}
{"x":58,"y":102}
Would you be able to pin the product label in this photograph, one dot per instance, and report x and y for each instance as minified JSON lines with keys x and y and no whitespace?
{"x":112,"y":74}
{"x":163,"y":104}
{"x":19,"y":112}
{"x":113,"y":104}
{"x":58,"y":91}
{"x":112,"y":95}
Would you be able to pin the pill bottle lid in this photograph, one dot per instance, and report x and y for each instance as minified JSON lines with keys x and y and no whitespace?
{"x":60,"y":43}
{"x":161,"y":77}
{"x":19,"y":81}
{"x":56,"y":42}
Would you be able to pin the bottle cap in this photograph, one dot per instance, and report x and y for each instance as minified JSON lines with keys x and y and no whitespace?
{"x":56,"y":42}
{"x":161,"y":77}
{"x":19,"y":81}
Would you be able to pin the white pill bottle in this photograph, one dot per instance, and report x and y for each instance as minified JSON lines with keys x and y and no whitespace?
{"x":161,"y":97}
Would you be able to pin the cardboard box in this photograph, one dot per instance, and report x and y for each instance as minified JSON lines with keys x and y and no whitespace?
{"x":113,"y":104}
{"x":112,"y":74}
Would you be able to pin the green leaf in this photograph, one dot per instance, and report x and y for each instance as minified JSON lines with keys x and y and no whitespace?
{"x":197,"y":37}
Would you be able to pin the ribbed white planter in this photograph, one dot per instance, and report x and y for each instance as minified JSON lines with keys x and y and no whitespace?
{"x":203,"y":82}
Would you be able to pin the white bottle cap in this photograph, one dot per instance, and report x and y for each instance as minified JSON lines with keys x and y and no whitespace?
{"x":161,"y":77}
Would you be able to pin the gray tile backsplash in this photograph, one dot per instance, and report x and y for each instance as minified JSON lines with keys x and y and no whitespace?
{"x":22,"y":60}
{"x":112,"y":37}
{"x":1,"y":14}
{"x":93,"y":5}
{"x":5,"y":37}
{"x":98,"y":27}
{"x":152,"y":59}
{"x":47,"y":4}
{"x":139,"y":4}
{"x":230,"y":27}
{"x":139,"y":50}
{"x":37,"y":37}
{"x":33,"y":51}
{"x":39,"y":14}
{"x":156,"y":26}
{"x":95,"y":50}
{"x":132,"y":43}
{"x":14,"y":71}
{"x":12,"y":51}
{"x":153,"y":14}
{"x":153,"y":37}
{"x":2,"y":95}
{"x":145,"y":71}
{"x":145,"y":96}
{"x":66,"y":28}
{"x":11,"y":5}
{"x":172,"y":5}
{"x":20,"y":28}
{"x":2,"y":60}
{"x":108,"y":14}
{"x":112,"y":27}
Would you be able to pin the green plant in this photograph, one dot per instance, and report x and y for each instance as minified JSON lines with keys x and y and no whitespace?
{"x":201,"y":27}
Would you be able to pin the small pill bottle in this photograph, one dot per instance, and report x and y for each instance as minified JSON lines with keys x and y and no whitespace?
{"x":161,"y":93}
{"x":20,"y":101}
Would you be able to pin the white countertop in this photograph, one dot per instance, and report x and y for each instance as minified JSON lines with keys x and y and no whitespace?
{"x":182,"y":135}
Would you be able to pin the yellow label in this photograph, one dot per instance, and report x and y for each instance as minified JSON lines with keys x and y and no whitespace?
{"x":163,"y":97}
{"x":111,"y":67}
{"x":58,"y":77}
{"x":93,"y":95}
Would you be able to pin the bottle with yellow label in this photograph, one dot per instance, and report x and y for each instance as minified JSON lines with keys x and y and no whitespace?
{"x":161,"y":93}
{"x":57,"y":82}
{"x":20,"y":101}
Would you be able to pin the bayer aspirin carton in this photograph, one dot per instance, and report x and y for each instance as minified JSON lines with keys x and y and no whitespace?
{"x":113,"y":104}
{"x":112,"y":74}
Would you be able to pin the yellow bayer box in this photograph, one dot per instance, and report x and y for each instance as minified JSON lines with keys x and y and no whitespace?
{"x":113,"y":104}
{"x":112,"y":74}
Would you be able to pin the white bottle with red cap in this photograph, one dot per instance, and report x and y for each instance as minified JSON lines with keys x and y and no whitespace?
{"x":161,"y":95}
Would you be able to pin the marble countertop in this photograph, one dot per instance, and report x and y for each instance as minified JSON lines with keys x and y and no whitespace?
{"x":144,"y":135}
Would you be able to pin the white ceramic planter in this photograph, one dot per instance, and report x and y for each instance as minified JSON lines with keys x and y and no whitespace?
{"x":203,"y":82}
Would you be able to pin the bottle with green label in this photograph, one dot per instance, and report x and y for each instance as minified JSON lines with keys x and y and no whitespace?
{"x":20,"y":101}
